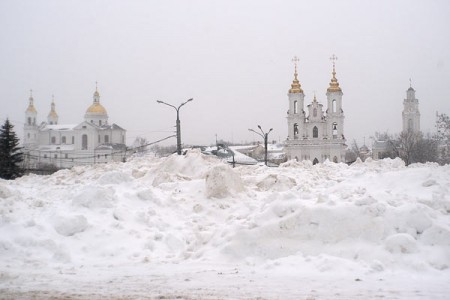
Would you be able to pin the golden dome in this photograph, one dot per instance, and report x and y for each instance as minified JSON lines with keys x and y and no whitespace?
{"x":96,"y":108}
{"x":295,"y":86}
{"x":334,"y":84}
{"x":53,"y":114}
{"x":31,"y":108}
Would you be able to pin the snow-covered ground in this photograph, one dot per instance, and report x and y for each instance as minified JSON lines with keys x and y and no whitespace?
{"x":191,"y":227}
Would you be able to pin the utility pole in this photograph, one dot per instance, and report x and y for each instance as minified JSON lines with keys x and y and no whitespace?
{"x":265,"y":136}
{"x":178,"y":126}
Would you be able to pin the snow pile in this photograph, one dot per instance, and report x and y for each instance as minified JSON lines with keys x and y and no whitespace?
{"x":222,"y":181}
{"x":376,"y":217}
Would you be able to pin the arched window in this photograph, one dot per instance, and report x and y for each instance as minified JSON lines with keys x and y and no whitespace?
{"x":315,"y":132}
{"x":335,"y":159}
{"x":53,"y":140}
{"x":333,"y":104}
{"x":410,"y":124}
{"x":315,"y":161}
{"x":63,"y":140}
{"x":315,"y":112}
{"x":29,"y":121}
{"x":295,"y":107}
{"x":73,"y":140}
{"x":84,"y":142}
{"x":106,"y":139}
{"x":295,"y":130}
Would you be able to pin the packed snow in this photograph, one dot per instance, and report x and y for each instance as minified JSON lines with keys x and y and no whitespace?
{"x":193,"y":227}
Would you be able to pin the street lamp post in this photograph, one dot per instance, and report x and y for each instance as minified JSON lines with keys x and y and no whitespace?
{"x":178,"y":121}
{"x":264,"y":135}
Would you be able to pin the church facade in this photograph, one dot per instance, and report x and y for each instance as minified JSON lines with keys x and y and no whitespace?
{"x":316,"y":135}
{"x":92,"y":141}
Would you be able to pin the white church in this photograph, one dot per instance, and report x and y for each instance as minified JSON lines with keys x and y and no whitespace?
{"x":315,"y":135}
{"x":92,"y":141}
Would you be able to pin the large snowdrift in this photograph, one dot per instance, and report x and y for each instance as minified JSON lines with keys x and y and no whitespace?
{"x":193,"y":214}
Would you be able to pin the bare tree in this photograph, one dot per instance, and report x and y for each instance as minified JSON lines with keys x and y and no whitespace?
{"x":443,"y":137}
{"x":140,"y":144}
{"x":407,"y":145}
{"x":426,"y":150}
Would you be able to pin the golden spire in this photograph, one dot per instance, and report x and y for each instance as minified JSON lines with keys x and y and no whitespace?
{"x":334,"y":84}
{"x":96,"y":94}
{"x":31,"y":104}
{"x":295,"y":86}
{"x":53,"y":113}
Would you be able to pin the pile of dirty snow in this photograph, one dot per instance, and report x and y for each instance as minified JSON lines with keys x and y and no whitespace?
{"x":194,"y":226}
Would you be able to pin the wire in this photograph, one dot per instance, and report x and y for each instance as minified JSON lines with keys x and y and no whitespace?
{"x":81,"y":157}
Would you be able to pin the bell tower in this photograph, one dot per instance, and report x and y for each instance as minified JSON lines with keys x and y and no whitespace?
{"x":411,"y":114}
{"x":335,"y":113}
{"x":30,"y":129}
{"x":296,"y":114}
{"x":52,"y":117}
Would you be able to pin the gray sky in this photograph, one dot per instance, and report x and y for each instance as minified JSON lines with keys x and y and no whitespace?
{"x":232,"y":57}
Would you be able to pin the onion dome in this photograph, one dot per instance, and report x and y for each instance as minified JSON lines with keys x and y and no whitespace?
{"x":334,"y":84}
{"x":295,"y":86}
{"x":52,"y":113}
{"x":31,"y":108}
{"x":96,"y":108}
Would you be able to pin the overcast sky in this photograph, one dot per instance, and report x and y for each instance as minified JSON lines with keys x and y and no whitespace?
{"x":232,"y":57}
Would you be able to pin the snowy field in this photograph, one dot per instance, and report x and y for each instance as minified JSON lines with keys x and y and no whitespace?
{"x":191,"y":227}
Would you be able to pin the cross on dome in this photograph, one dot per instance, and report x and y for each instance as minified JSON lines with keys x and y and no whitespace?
{"x":333,"y":58}
{"x":334,"y":84}
{"x":295,"y":86}
{"x":295,"y":60}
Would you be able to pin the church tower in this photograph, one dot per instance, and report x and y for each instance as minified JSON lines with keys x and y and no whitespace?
{"x":30,"y":129}
{"x":96,"y":113}
{"x":52,"y":117}
{"x":411,"y":114}
{"x":316,"y":135}
{"x":335,"y":113}
{"x":296,"y":114}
